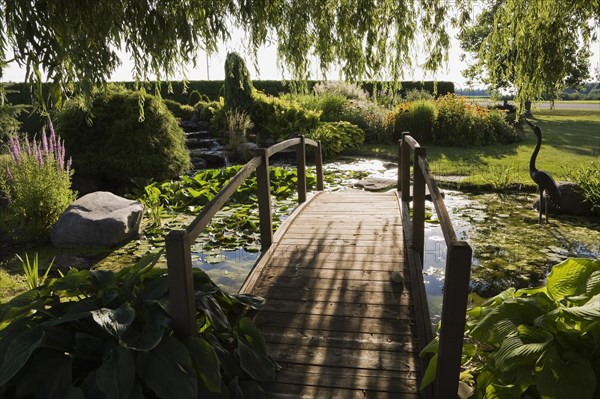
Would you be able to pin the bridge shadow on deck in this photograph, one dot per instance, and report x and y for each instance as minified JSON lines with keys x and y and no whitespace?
{"x":334,"y":320}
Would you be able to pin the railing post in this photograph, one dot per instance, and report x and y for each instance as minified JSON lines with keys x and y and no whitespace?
{"x":405,"y":169}
{"x":319,"y":166}
{"x":264,"y":200}
{"x":418,"y":223}
{"x":454,"y":308}
{"x":301,"y":168}
{"x":399,"y":182}
{"x":181,"y":283}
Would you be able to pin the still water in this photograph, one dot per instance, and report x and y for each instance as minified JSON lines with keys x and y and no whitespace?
{"x":509,"y":247}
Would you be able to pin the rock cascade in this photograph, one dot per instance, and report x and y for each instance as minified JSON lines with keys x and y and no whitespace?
{"x":205,"y":150}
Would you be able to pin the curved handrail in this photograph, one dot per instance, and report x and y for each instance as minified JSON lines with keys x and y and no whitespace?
{"x":178,"y":242}
{"x":458,"y":262}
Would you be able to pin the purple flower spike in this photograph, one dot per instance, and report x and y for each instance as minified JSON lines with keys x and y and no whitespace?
{"x":38,"y":153}
{"x":15,"y":148}
{"x":52,"y":139}
{"x":45,"y":142}
{"x":69,"y":162}
{"x":27,"y":147}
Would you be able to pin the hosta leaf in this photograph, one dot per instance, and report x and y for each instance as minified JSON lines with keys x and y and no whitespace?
{"x":205,"y":362}
{"x":116,"y":376}
{"x":252,"y":390}
{"x":18,"y":353}
{"x":589,"y":311}
{"x":155,"y":289}
{"x":21,"y":305}
{"x":518,"y":351}
{"x":252,"y":335}
{"x":504,"y":319}
{"x":430,"y":372}
{"x":167,"y":370}
{"x":559,"y":377}
{"x":257,"y":364}
{"x":592,"y":286}
{"x":212,"y":309}
{"x":155,"y":323}
{"x":255,"y":302}
{"x":114,"y":321}
{"x":570,"y":277}
{"x":497,"y":391}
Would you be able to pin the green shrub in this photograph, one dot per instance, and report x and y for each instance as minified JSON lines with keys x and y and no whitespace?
{"x":417,"y":95}
{"x":117,"y":146}
{"x":371,"y":118}
{"x":331,"y":107}
{"x":335,"y":137}
{"x":539,"y":342}
{"x":205,"y":110}
{"x":277,"y":119}
{"x":418,"y":118}
{"x":587,"y":177}
{"x":178,"y":110}
{"x":504,"y":132}
{"x":351,"y":91}
{"x":37,"y":184}
{"x":457,"y":123}
{"x":195,"y":97}
{"x":101,"y":334}
{"x":239,"y":91}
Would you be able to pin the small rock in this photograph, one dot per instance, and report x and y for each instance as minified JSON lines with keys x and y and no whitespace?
{"x":376,"y":184}
{"x":572,"y":201}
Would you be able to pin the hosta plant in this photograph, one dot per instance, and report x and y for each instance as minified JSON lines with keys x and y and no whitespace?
{"x":538,"y":342}
{"x":101,"y":334}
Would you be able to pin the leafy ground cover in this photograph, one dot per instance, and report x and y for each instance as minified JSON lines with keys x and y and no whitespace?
{"x":571,"y":139}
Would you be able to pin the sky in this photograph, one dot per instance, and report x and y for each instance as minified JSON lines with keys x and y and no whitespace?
{"x":268,"y":69}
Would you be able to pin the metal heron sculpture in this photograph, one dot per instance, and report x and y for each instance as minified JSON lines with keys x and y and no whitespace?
{"x":544,"y":181}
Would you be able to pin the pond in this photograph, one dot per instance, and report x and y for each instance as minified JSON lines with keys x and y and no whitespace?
{"x":510,"y":248}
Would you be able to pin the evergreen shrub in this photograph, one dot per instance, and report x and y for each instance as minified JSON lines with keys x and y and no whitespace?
{"x":278,"y":119}
{"x":239,"y":91}
{"x":416,"y":117}
{"x":371,"y":118}
{"x":335,"y":137}
{"x":180,"y":111}
{"x":117,"y":145}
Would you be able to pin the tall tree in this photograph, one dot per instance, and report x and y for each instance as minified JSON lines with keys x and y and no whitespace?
{"x":75,"y":42}
{"x":537,"y":47}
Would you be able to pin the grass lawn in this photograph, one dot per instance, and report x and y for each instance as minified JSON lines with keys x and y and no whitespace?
{"x":571,"y":139}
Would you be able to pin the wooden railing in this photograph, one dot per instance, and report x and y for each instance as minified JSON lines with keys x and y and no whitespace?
{"x":178,"y":242}
{"x":458,"y":264}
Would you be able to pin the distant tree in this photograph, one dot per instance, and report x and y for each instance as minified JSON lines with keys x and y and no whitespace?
{"x":536,"y":47}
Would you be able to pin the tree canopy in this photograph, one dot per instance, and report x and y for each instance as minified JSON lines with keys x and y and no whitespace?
{"x":537,"y":46}
{"x":75,"y":43}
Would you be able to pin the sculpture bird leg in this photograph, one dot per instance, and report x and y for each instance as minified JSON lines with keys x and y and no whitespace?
{"x":540,"y":205}
{"x":546,"y":207}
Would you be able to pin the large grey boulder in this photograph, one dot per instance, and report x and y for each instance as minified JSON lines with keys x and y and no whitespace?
{"x":98,"y":219}
{"x":572,"y":201}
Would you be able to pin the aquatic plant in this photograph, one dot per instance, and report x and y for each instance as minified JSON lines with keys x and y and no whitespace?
{"x":543,"y":341}
{"x":499,"y":177}
{"x":31,"y":271}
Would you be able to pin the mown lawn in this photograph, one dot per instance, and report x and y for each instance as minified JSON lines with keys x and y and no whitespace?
{"x":571,"y":139}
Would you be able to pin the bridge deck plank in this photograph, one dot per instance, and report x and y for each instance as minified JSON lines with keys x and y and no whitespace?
{"x":334,"y":319}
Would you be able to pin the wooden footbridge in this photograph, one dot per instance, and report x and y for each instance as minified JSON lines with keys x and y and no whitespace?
{"x":346,"y":313}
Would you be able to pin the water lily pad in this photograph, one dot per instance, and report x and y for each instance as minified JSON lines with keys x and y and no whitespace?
{"x":212,"y":259}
